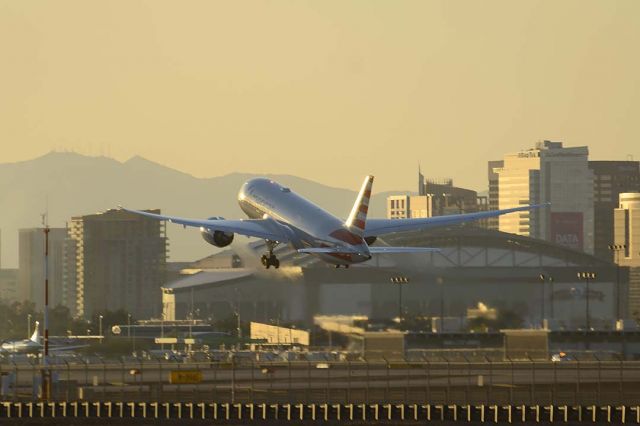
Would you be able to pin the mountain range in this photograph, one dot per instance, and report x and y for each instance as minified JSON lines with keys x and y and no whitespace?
{"x":68,"y":184}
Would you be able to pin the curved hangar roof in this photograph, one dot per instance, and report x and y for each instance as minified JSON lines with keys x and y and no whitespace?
{"x":474,"y":246}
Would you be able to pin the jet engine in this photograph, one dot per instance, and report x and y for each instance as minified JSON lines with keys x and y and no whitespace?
{"x":217,"y":238}
{"x":370,"y":240}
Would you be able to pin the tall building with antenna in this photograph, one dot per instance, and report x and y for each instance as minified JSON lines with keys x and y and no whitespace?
{"x":435,"y":198}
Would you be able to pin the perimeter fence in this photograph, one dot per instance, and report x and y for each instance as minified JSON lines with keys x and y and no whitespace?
{"x":436,"y":378}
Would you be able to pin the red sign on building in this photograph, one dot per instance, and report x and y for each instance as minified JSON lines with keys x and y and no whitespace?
{"x":566,"y":229}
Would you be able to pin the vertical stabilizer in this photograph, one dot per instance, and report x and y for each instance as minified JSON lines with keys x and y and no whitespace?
{"x":35,"y":337}
{"x":358,"y":217}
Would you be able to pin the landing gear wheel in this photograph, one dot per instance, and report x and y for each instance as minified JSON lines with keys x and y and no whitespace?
{"x":269,"y":261}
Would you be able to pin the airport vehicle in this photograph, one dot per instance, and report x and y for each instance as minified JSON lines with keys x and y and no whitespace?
{"x":280,"y":216}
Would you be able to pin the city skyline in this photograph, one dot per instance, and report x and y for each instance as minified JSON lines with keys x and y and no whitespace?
{"x":220,"y":88}
{"x":306,"y":211}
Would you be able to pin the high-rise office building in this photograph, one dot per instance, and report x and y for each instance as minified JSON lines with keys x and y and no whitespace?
{"x":627,"y":229}
{"x":120,"y":263}
{"x":399,"y":206}
{"x":9,"y":285}
{"x":406,"y":206}
{"x":610,"y":179}
{"x":626,"y":236}
{"x":494,"y":191}
{"x":449,"y":199}
{"x":31,"y":251}
{"x":435,"y":198}
{"x":548,"y":173}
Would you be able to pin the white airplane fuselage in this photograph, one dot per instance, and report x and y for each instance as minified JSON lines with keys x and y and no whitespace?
{"x":306,"y":224}
{"x":20,"y":346}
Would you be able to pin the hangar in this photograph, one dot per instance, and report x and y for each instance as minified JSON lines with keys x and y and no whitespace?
{"x":500,"y":270}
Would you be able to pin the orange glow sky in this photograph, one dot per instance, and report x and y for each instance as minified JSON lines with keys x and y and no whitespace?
{"x":327,"y":90}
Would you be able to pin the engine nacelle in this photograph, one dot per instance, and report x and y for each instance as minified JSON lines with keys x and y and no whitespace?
{"x":217,"y":238}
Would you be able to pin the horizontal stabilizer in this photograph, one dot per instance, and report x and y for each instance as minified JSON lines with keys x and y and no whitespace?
{"x":390,"y":250}
{"x":326,"y":250}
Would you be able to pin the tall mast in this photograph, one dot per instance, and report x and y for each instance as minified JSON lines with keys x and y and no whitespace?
{"x":46,"y":382}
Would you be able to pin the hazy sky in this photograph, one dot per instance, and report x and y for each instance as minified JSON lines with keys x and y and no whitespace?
{"x":328,"y":90}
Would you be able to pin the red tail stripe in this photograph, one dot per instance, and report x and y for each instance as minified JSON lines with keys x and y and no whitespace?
{"x":346,"y":236}
{"x":359,"y":223}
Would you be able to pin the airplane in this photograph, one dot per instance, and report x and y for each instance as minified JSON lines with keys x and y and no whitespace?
{"x":280,"y":216}
{"x":33,"y":345}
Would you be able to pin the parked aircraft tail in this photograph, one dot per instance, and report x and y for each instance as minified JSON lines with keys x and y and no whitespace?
{"x":358,"y":217}
{"x":35,"y":337}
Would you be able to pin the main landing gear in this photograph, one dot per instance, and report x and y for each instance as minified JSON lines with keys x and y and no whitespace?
{"x":345,"y":266}
{"x":270,"y":259}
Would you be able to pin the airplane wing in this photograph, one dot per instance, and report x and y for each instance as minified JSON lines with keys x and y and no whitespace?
{"x":67,"y":348}
{"x":372,"y":250}
{"x":267,"y":229}
{"x":327,"y":250}
{"x":391,"y":250}
{"x":376,"y":227}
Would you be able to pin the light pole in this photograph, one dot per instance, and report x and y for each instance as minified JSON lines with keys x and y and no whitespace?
{"x":161,"y":333}
{"x":237,"y":312}
{"x":28,"y":326}
{"x":543,"y":279}
{"x":616,"y":249}
{"x":400,"y":281}
{"x":100,"y":327}
{"x":129,"y":329}
{"x":440,"y":282}
{"x":587,"y":276}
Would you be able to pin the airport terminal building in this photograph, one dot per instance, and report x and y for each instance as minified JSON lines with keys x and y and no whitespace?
{"x":474,"y":266}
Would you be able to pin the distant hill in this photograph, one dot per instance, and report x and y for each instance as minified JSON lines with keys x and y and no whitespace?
{"x":73,"y":185}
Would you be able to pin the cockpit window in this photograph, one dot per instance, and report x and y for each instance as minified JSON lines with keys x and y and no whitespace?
{"x":283,"y":189}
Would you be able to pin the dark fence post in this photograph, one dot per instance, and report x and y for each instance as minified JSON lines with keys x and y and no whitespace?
{"x":427,"y":395}
{"x":512,"y":380}
{"x":489,"y":393}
